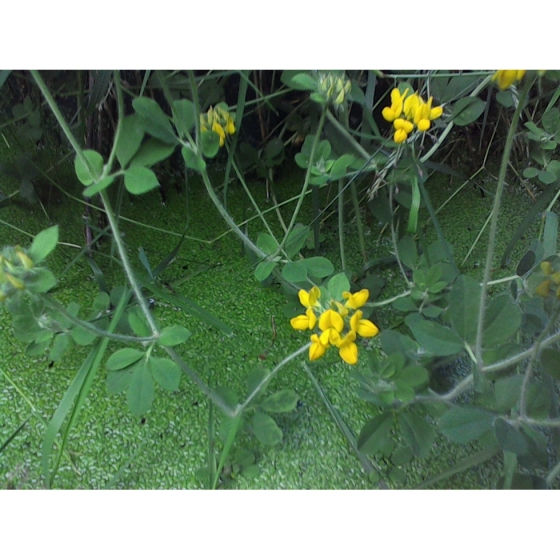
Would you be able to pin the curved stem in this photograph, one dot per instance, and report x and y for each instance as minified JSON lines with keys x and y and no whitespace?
{"x":494,"y":223}
{"x":457,"y":391}
{"x":241,"y":407}
{"x":53,"y":304}
{"x":307,"y":175}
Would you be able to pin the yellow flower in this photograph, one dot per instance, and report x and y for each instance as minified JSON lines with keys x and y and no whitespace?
{"x":347,"y":348}
{"x":15,"y":282}
{"x":330,"y":319}
{"x":363,"y":327}
{"x":354,"y":301}
{"x":25,"y":260}
{"x":506,"y":78}
{"x":309,"y":299}
{"x":411,"y":105}
{"x":304,"y":322}
{"x":316,"y":350}
{"x":394,"y":111}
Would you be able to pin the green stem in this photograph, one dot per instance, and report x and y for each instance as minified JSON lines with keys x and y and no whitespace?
{"x":341,"y":223}
{"x":457,"y":391}
{"x":532,"y":360}
{"x":307,"y":175}
{"x":240,"y":408}
{"x":61,"y":121}
{"x":126,"y":263}
{"x":53,"y":304}
{"x":120,"y":107}
{"x":494,"y":224}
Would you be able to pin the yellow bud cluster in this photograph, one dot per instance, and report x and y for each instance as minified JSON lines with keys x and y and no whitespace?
{"x":15,"y":264}
{"x":219,"y":120}
{"x":409,"y":111}
{"x":336,"y":327}
{"x":334,"y":88}
{"x":551,"y":283}
{"x":506,"y":78}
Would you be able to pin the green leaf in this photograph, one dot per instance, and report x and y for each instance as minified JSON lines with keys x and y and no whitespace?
{"x":152,"y":151}
{"x":99,"y":186}
{"x":296,"y":240}
{"x":530,"y":173}
{"x":119,"y":380}
{"x":139,"y":180}
{"x":509,"y":437}
{"x":62,"y":343}
{"x":123,"y":358}
{"x":337,"y":284}
{"x":166,"y":373}
{"x":130,"y":139}
{"x":209,"y":143}
{"x":467,"y":110}
{"x":138,"y":323}
{"x":192,"y":161}
{"x":43,"y":244}
{"x":375,"y":433}
{"x":418,"y":433}
{"x":82,"y":336}
{"x":295,"y":271}
{"x":264,"y":270}
{"x":402,"y":456}
{"x":41,"y":281}
{"x":462,"y":424}
{"x":319,"y":267}
{"x":153,"y":120}
{"x":266,"y":243}
{"x":550,"y":362}
{"x":435,"y":338}
{"x":101,"y":301}
{"x":412,"y":375}
{"x":506,"y":392}
{"x":282,"y":401}
{"x":184,"y":115}
{"x":502,"y":320}
{"x":407,"y":253}
{"x":300,"y":81}
{"x":140,"y":394}
{"x":464,"y":304}
{"x":265,"y":429}
{"x":171,"y":336}
{"x":95,"y":161}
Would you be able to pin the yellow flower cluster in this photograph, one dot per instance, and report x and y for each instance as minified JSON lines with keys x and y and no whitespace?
{"x":14,"y":264}
{"x":407,"y":111}
{"x":337,"y":327}
{"x":506,"y":78}
{"x":219,"y":120}
{"x":544,"y":288}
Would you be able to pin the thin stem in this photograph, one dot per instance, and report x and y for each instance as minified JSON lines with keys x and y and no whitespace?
{"x":494,"y":223}
{"x":120,"y":107}
{"x":521,"y":356}
{"x":341,"y":223}
{"x":530,"y":365}
{"x":390,"y":300}
{"x":197,"y":380}
{"x":61,"y":121}
{"x":240,"y":408}
{"x":53,"y":304}
{"x":307,"y":175}
{"x":457,"y":391}
{"x":126,"y":263}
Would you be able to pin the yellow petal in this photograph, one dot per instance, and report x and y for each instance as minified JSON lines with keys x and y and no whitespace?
{"x":436,"y":113}
{"x":331,"y":319}
{"x":389,"y":114}
{"x":349,"y":352}
{"x":423,"y":125}
{"x":356,"y":300}
{"x":316,"y":350}
{"x":230,"y":126}
{"x":546,"y":267}
{"x":403,"y":124}
{"x":300,"y":323}
{"x":543,"y":289}
{"x":400,"y":136}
